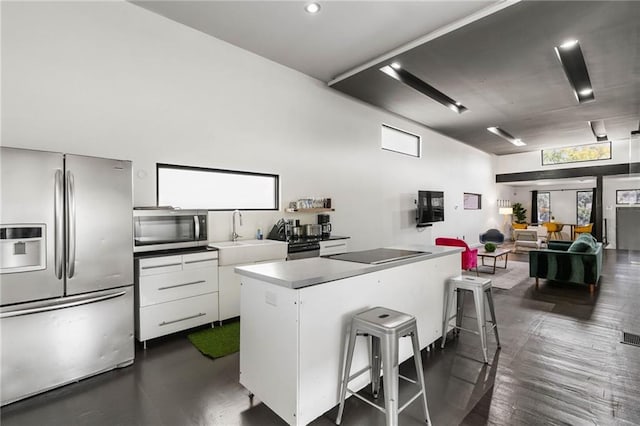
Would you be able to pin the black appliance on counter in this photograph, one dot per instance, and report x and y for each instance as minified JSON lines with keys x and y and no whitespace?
{"x":298,"y":247}
{"x":323,"y":220}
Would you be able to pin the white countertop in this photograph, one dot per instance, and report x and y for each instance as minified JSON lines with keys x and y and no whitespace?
{"x":317,"y":270}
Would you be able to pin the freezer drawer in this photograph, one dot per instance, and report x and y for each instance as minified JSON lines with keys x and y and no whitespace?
{"x":46,"y":345}
{"x":164,"y":318}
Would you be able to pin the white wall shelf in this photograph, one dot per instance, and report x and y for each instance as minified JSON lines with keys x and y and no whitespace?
{"x":313,"y":210}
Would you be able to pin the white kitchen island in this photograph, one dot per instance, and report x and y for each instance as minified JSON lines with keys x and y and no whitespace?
{"x":295,"y":319}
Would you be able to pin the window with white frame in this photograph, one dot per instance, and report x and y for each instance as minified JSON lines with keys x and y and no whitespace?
{"x":400,"y":141}
{"x":215,"y":189}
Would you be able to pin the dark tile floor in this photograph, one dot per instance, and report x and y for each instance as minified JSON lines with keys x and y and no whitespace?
{"x":561,"y":363}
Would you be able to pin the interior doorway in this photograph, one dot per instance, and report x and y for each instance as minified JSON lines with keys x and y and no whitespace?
{"x":628,"y":228}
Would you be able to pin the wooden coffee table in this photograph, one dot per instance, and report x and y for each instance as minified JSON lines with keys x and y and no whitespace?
{"x":499,"y":252}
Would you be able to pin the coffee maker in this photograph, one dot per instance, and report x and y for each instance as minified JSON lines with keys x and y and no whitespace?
{"x":323,"y":220}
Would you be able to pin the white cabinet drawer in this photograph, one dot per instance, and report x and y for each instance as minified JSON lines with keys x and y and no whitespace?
{"x":200,"y":260}
{"x":160,"y":265}
{"x":333,"y":247}
{"x":177,"y":285}
{"x":169,"y":317}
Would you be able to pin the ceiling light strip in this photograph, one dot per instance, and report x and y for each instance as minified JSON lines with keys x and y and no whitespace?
{"x":490,"y":10}
{"x":572,"y":60}
{"x":506,"y":135}
{"x":423,"y":87}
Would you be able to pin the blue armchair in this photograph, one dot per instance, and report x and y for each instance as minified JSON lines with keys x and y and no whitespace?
{"x":492,"y":236}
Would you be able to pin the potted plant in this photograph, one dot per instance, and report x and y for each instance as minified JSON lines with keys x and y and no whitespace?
{"x":519,"y":215}
{"x":490,"y":247}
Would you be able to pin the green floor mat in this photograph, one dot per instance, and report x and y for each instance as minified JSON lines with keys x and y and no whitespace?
{"x":218,"y":341}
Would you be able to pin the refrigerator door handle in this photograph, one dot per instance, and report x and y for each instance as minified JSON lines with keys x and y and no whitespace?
{"x":71,"y":225}
{"x":196,"y":222}
{"x":52,"y":306}
{"x":58,"y":223}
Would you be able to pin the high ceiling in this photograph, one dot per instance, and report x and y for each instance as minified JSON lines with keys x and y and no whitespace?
{"x":496,"y":58}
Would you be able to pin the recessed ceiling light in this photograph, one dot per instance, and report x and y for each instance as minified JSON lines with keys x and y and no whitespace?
{"x":569,"y":44}
{"x":423,"y":87}
{"x":575,"y":68}
{"x":312,"y":8}
{"x":396,"y":66}
{"x":506,"y":135}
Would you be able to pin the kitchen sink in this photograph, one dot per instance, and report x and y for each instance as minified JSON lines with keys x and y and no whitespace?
{"x":248,"y":251}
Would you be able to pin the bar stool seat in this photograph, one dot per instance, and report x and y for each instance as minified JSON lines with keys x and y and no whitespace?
{"x":481,"y":289}
{"x":385,"y":327}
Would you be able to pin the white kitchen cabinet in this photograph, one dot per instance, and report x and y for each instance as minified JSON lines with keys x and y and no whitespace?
{"x":175,"y":292}
{"x":229,"y":299}
{"x":333,"y":247}
{"x":297,"y":375}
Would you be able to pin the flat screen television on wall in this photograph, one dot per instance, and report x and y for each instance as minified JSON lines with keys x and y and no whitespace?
{"x":430,"y":207}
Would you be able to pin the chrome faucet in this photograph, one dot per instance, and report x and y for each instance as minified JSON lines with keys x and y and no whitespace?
{"x":234,"y":234}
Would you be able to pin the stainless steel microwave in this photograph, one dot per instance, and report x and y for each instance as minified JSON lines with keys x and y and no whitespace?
{"x":166,"y":228}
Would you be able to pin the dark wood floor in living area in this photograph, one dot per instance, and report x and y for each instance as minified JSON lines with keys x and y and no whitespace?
{"x":561,"y":363}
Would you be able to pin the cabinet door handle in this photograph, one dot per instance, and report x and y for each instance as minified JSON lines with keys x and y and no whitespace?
{"x":161,"y":266}
{"x":199,"y":314}
{"x":198,"y":261}
{"x":335,"y":245}
{"x":181,"y":285}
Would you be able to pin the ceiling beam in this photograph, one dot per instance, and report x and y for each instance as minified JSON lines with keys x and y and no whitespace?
{"x":608,"y":170}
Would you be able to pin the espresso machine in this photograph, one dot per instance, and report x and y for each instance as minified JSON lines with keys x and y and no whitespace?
{"x":323,"y":221}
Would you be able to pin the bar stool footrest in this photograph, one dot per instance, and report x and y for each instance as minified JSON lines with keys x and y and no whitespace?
{"x":382,"y":409}
{"x":359,"y":373}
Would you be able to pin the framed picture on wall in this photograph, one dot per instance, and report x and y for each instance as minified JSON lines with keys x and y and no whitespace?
{"x":472,"y":201}
{"x":628,"y":196}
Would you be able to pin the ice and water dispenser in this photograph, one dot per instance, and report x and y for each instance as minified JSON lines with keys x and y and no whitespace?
{"x":22,"y":248}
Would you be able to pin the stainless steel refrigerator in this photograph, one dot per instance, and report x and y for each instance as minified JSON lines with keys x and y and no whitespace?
{"x":66,"y":269}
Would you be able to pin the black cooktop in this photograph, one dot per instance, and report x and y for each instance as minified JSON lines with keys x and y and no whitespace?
{"x":377,"y":256}
{"x":304,"y":240}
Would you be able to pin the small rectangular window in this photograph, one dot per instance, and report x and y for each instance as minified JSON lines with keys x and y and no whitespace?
{"x":215,"y":189}
{"x":472,"y":201}
{"x":576,"y":154}
{"x":397,"y":140}
{"x":628,"y":196}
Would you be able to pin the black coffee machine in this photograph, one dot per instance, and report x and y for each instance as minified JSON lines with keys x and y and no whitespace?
{"x":323,"y":220}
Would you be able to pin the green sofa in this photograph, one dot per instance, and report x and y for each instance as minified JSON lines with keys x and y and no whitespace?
{"x":577,"y":262}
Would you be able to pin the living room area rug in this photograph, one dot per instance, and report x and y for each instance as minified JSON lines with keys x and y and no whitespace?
{"x":516,"y":273}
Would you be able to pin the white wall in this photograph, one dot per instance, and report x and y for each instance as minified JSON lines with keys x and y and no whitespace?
{"x":111,"y":79}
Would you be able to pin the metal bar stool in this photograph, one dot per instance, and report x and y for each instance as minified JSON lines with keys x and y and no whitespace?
{"x":481,"y":288}
{"x":386,"y":327}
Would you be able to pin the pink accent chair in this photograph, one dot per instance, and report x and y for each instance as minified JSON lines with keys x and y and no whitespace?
{"x":469,"y":255}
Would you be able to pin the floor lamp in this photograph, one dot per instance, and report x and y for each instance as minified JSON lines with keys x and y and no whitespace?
{"x":506,"y":212}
